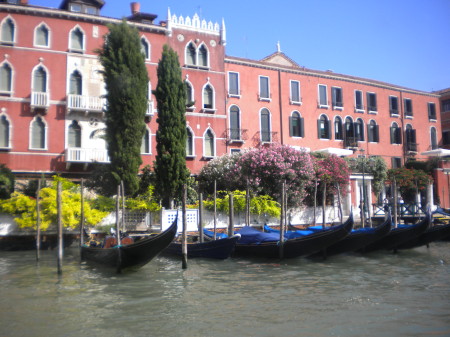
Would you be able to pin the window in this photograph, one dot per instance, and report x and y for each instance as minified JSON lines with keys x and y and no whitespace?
{"x":145,"y":48}
{"x":75,"y":8}
{"x":75,"y":86}
{"x":431,"y":111}
{"x":74,"y":139}
{"x":323,"y":99}
{"x":208,"y":149}
{"x":372,"y":102}
{"x":359,"y":130}
{"x":323,"y":127}
{"x":4,"y":132}
{"x":233,"y":84}
{"x":445,"y":137}
{"x":145,"y":146}
{"x":372,"y":132}
{"x":265,"y":126}
{"x":77,"y":40}
{"x":91,"y":10}
{"x":446,"y":105}
{"x":41,"y":36}
{"x":5,"y":78}
{"x":336,"y":94}
{"x":191,"y":54}
{"x":433,"y":136}
{"x":208,"y":97}
{"x":296,"y":125}
{"x":189,"y":143}
{"x":338,"y":132}
{"x":38,"y":140}
{"x":203,"y":56}
{"x":264,"y":93}
{"x":350,"y":134}
{"x":396,"y":135}
{"x":295,"y":92}
{"x":393,"y":105}
{"x":396,"y":162}
{"x":235,"y":124}
{"x":359,"y":103}
{"x":189,"y":95}
{"x":8,"y":31}
{"x":40,"y":80}
{"x":408,"y":107}
{"x":410,"y":139}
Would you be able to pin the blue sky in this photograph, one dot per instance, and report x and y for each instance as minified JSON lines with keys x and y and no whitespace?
{"x":403,"y":42}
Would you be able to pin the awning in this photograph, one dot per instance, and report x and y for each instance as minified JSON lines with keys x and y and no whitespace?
{"x":337,"y":151}
{"x":436,"y":153}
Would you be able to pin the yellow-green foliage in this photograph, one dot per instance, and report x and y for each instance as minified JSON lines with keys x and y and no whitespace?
{"x":144,"y":202}
{"x":258,"y":205}
{"x":24,"y":207}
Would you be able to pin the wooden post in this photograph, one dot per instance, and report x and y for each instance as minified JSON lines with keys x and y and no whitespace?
{"x":60,"y":228}
{"x":200,"y":217}
{"x":395,"y":203}
{"x":231,"y":216}
{"x":339,"y":202}
{"x":184,"y":236}
{"x":215,"y":208}
{"x":82,"y":214}
{"x":315,"y":202}
{"x":324,"y":202}
{"x":38,"y":222}
{"x":247,"y":205}
{"x":119,"y":255}
{"x":283,"y":201}
{"x":123,"y":205}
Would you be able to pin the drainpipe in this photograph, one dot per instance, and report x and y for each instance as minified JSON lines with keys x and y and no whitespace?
{"x":280,"y":103}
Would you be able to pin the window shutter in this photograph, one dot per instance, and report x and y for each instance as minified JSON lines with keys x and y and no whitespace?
{"x":318,"y":129}
{"x":398,"y":136}
{"x":291,"y":127}
{"x":302,"y":128}
{"x":328,"y":129}
{"x":376,"y":133}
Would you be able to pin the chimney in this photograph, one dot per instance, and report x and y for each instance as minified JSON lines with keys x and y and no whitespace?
{"x":24,"y":2}
{"x":135,"y":7}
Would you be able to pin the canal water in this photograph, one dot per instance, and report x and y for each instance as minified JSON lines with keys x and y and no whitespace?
{"x":378,"y":294}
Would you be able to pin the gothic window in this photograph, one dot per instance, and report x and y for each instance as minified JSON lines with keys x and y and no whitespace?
{"x":4,"y":132}
{"x":5,"y":78}
{"x":209,"y":144}
{"x":41,"y":36}
{"x":189,"y":143}
{"x":433,"y":136}
{"x":203,"y":56}
{"x":145,"y":48}
{"x":191,"y":54}
{"x":145,"y":146}
{"x":74,"y":139}
{"x":76,"y":40}
{"x":208,"y":97}
{"x":38,"y":134}
{"x":189,"y":94}
{"x":40,"y":80}
{"x":8,"y":31}
{"x":75,"y":87}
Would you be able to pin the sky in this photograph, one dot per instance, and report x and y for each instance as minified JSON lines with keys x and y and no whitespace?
{"x":402,"y":42}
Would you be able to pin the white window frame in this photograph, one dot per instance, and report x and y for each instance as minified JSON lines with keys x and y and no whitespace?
{"x":14,"y":40}
{"x":319,"y":104}
{"x":336,"y":107}
{"x":398,"y":108}
{"x":291,"y":101}
{"x":264,"y":99}
{"x":360,"y":109}
{"x":9,"y":146}
{"x":11,"y":91}
{"x":213,"y":108}
{"x":149,"y":141}
{"x":270,"y":127}
{"x":70,"y":40}
{"x":30,"y":132}
{"x":376,"y":101}
{"x":35,"y":44}
{"x":214,"y":143}
{"x":198,"y":56}
{"x":193,"y":142}
{"x":238,"y":95}
{"x":144,"y":38}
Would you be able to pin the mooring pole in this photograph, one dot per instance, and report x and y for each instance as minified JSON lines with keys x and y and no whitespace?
{"x":247,"y":205}
{"x":38,"y":222}
{"x":119,"y":251}
{"x":60,"y":228}
{"x":184,"y":236}
{"x":281,"y":245}
{"x":215,"y":208}
{"x":200,"y":217}
{"x":231,"y":214}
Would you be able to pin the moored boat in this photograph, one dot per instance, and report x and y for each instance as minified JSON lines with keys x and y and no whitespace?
{"x":434,"y":232}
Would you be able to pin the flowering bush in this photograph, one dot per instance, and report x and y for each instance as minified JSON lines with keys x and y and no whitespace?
{"x":409,"y":181}
{"x":332,"y":170}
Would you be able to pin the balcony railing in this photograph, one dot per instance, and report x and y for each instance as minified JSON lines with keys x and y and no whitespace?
{"x":85,"y":103}
{"x":86,"y":155}
{"x":351,"y":142}
{"x":39,"y":100}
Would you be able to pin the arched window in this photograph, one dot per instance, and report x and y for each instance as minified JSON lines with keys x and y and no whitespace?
{"x":396,"y":134}
{"x":189,"y":143}
{"x":40,"y":80}
{"x":74,"y":139}
{"x":338,"y":132}
{"x":189,"y":94}
{"x":191,"y":54}
{"x":266,"y":134}
{"x":349,"y":129}
{"x":8,"y":31}
{"x":208,"y":97}
{"x":145,"y":146}
{"x":323,"y":127}
{"x":41,"y":36}
{"x":38,"y":139}
{"x":4,"y":132}
{"x":77,"y":40}
{"x":203,"y":56}
{"x":5,"y":78}
{"x":75,"y":86}
{"x":359,"y":129}
{"x":235,"y":123}
{"x":433,"y":135}
{"x":145,"y":48}
{"x":410,"y":138}
{"x":209,"y":144}
{"x":372,"y":132}
{"x":296,"y":125}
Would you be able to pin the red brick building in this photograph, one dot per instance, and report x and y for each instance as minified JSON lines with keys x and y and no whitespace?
{"x":51,"y":118}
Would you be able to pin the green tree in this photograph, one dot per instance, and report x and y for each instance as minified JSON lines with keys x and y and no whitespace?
{"x":126,"y":81}
{"x":6,"y":182}
{"x":170,"y":164}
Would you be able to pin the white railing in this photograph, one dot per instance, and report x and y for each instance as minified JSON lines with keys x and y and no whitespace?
{"x":87,"y":103}
{"x":150,"y":107}
{"x":84,"y":155}
{"x":39,"y":99}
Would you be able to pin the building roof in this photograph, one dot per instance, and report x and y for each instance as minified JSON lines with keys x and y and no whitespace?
{"x":96,"y":3}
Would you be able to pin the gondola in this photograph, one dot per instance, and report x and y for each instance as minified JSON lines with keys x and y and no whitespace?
{"x":254,"y":243}
{"x":359,"y":238}
{"x":133,"y":255}
{"x":433,"y":233}
{"x":401,"y":234}
{"x":213,"y":249}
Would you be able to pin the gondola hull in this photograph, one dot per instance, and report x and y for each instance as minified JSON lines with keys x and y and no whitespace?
{"x":133,"y":255}
{"x":214,"y":249}
{"x":433,"y":233}
{"x":400,"y":235}
{"x":297,"y":247}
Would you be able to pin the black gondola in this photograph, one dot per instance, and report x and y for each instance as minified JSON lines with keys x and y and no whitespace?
{"x":300,"y":246}
{"x":433,"y":233}
{"x":401,"y":234}
{"x":214,"y":249}
{"x":27,"y":241}
{"x":359,"y":238}
{"x":133,"y":255}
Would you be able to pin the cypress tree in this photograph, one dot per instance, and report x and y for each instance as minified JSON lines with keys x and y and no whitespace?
{"x":170,"y":164}
{"x":126,"y":82}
